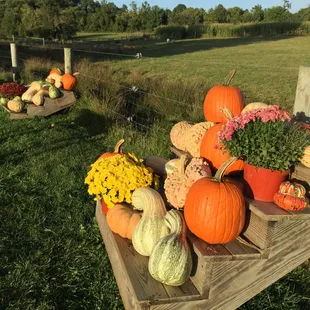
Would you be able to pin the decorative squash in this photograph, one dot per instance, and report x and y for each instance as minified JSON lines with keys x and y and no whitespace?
{"x":178,"y":183}
{"x":290,"y":202}
{"x":171,"y":165}
{"x":305,"y":160}
{"x":151,"y":227}
{"x":254,"y":106}
{"x":292,"y":188}
{"x":177,"y":134}
{"x":210,"y":150}
{"x":171,"y":261}
{"x":69,"y":81}
{"x":56,"y":71}
{"x":38,"y":98}
{"x":58,"y":84}
{"x":53,"y":77}
{"x":193,"y":137}
{"x":53,"y":92}
{"x":122,"y":220}
{"x":291,"y":196}
{"x":15,"y":105}
{"x":221,"y":97}
{"x":117,"y":149}
{"x":31,"y":91}
{"x":214,"y":209}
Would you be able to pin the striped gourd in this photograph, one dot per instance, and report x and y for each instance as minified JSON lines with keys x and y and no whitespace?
{"x":171,"y":261}
{"x":151,"y":227}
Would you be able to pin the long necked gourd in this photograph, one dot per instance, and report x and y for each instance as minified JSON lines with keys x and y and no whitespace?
{"x":151,"y":227}
{"x":171,"y":261}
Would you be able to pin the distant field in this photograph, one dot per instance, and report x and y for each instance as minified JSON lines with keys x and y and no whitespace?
{"x":97,"y":36}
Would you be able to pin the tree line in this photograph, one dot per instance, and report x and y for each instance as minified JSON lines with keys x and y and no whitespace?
{"x":61,"y":19}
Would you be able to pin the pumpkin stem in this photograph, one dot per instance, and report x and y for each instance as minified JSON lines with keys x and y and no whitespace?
{"x":229,"y":77}
{"x":228,"y":114}
{"x":219,"y":174}
{"x":182,"y":165}
{"x":76,"y":73}
{"x":118,"y":145}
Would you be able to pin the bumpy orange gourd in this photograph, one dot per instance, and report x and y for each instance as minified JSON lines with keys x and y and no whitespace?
{"x":117,"y":150}
{"x":122,"y":220}
{"x":69,"y":81}
{"x":220,"y":97}
{"x":214,"y":209}
{"x":209,"y":149}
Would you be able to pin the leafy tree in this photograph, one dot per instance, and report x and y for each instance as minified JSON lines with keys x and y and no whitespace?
{"x":277,"y":14}
{"x":303,"y":14}
{"x":179,"y":8}
{"x":234,"y":15}
{"x":221,"y":13}
{"x":209,"y":17}
{"x":286,"y":4}
{"x":257,"y":13}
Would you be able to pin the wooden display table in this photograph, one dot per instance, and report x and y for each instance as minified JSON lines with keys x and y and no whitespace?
{"x":223,"y":276}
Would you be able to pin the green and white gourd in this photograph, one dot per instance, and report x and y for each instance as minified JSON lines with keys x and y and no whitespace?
{"x":171,"y":261}
{"x":151,"y":227}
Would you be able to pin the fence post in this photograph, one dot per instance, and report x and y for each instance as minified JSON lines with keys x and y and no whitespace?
{"x":14,"y":60}
{"x":68,"y":60}
{"x":13,"y":38}
{"x":43,"y":41}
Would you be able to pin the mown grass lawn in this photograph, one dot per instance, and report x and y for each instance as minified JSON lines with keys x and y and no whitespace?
{"x":51,"y":251}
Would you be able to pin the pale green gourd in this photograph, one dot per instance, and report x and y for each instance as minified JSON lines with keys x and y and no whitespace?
{"x":171,"y":261}
{"x":151,"y":227}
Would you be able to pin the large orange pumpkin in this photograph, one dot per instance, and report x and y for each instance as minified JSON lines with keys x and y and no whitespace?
{"x":69,"y":81}
{"x":220,"y":97}
{"x":122,"y":220}
{"x":209,"y":149}
{"x":214,"y":209}
{"x":117,"y":150}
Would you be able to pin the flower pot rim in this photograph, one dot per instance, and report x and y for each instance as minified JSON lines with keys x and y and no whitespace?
{"x":275,"y":170}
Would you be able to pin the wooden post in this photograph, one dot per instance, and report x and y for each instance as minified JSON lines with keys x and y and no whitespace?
{"x":13,"y":38}
{"x":302,"y":98}
{"x":14,"y":60}
{"x":68,"y":64}
{"x":43,"y":41}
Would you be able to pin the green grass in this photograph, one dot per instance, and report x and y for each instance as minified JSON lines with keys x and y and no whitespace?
{"x":52,"y":255}
{"x":97,"y":36}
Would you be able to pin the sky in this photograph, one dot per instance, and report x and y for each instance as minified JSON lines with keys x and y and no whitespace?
{"x":244,"y":4}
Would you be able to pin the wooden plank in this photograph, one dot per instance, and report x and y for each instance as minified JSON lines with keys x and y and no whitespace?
{"x":240,"y":251}
{"x":257,"y":230}
{"x":157,"y":164}
{"x":135,"y":277}
{"x":302,"y":97}
{"x":269,"y":211}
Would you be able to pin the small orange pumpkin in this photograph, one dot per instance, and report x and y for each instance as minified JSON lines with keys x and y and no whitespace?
{"x":69,"y":81}
{"x":221,"y":97}
{"x":209,"y":149}
{"x":122,"y":220}
{"x":117,"y":150}
{"x":215,"y":209}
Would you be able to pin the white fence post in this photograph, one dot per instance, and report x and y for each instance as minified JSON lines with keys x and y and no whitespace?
{"x":68,"y":60}
{"x":14,"y":60}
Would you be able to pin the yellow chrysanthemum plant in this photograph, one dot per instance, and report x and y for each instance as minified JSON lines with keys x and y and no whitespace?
{"x":114,"y":178}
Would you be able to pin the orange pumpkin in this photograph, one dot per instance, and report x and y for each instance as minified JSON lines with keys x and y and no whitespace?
{"x":209,"y":149}
{"x":122,"y":220}
{"x":55,"y":71}
{"x":214,"y":209}
{"x":69,"y":81}
{"x":117,"y":150}
{"x":220,"y":97}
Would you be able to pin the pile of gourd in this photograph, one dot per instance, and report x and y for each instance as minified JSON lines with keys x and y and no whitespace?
{"x":39,"y":90}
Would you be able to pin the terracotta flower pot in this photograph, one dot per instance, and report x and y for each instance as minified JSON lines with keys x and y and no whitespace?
{"x":262,"y":184}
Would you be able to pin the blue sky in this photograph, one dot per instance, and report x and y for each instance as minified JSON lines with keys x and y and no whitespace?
{"x":244,"y":4}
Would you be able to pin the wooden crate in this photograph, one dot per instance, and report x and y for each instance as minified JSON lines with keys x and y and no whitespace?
{"x":49,"y":107}
{"x":223,"y":276}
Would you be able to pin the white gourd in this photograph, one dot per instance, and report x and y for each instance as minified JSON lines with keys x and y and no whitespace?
{"x":171,"y":261}
{"x":151,"y":227}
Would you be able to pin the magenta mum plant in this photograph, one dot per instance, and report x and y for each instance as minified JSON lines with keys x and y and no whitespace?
{"x":266,"y":138}
{"x":11,"y":90}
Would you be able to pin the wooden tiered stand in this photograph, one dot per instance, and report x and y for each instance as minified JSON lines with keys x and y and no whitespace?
{"x":223,"y":276}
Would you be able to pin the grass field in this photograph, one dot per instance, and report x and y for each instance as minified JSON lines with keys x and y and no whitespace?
{"x":52,"y":255}
{"x":97,"y":36}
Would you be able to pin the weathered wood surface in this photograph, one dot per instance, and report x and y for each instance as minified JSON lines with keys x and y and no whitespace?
{"x":231,"y":283}
{"x":49,"y":107}
{"x":137,"y":287}
{"x":302,"y":97}
{"x":302,"y":173}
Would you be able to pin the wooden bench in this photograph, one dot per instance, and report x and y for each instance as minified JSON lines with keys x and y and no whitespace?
{"x":223,"y":276}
